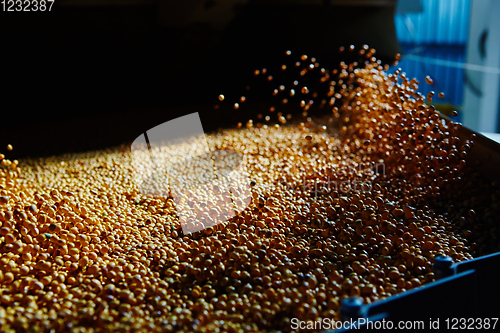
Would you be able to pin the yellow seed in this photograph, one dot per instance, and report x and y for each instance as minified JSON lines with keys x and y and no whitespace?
{"x":8,"y":277}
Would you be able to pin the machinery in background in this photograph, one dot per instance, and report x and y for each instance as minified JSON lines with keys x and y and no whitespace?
{"x":482,"y":69}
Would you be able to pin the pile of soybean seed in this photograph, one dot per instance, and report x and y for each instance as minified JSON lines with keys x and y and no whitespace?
{"x":355,"y":203}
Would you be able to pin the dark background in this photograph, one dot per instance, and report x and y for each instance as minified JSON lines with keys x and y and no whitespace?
{"x":84,"y":77}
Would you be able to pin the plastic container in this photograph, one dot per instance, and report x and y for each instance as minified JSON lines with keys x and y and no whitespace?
{"x":471,"y":291}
